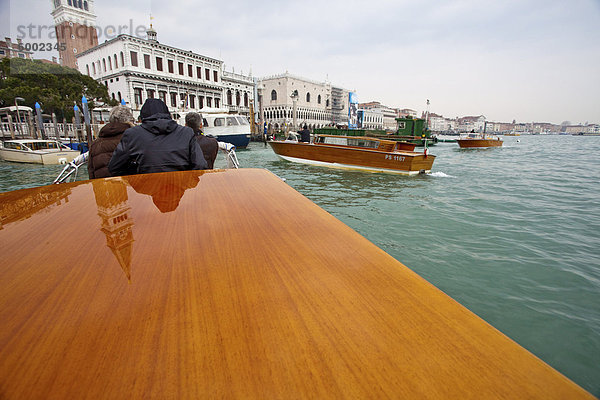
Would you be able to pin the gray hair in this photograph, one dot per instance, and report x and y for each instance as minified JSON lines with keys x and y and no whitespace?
{"x":120,"y":114}
{"x":193,"y":120}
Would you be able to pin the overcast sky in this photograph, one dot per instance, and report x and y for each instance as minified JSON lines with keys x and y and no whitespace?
{"x":529,"y":60}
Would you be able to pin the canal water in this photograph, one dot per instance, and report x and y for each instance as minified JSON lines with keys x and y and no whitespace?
{"x":512,"y":233}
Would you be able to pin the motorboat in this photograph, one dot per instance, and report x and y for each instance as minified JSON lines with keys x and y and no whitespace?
{"x":355,"y":152}
{"x":478,"y":140}
{"x":37,"y":151}
{"x":230,"y":284}
{"x":225,"y":127}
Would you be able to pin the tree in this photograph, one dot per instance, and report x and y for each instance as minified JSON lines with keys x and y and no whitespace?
{"x":55,"y":87}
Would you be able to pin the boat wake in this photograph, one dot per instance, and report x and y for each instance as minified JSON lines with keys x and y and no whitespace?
{"x":440,"y":174}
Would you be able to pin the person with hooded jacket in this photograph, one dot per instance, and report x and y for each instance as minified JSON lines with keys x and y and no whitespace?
{"x":159,"y":144}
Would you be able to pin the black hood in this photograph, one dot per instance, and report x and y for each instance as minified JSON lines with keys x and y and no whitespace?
{"x":159,"y":124}
{"x":153,"y":106}
{"x":156,"y":118}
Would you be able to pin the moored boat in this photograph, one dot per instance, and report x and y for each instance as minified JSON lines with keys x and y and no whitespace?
{"x":478,"y":140}
{"x":352,"y":152}
{"x":36,"y":151}
{"x":225,"y":127}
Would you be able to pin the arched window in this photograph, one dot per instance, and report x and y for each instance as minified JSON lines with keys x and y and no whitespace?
{"x":87,"y":68}
{"x":229,"y":100}
{"x":319,"y":99}
{"x":237,"y":98}
{"x":327,"y":103}
{"x":94,"y":68}
{"x":116,"y":63}
{"x":119,"y":94}
{"x":245,"y":99}
{"x":104,"y":64}
{"x":85,"y":5}
{"x":109,"y":63}
{"x":307,"y":97}
{"x":273,"y":94}
{"x":122,"y":60}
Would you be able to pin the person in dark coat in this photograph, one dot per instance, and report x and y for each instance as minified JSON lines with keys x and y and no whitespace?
{"x":305,"y":134}
{"x":209,"y":145}
{"x":159,"y":144}
{"x":101,"y":149}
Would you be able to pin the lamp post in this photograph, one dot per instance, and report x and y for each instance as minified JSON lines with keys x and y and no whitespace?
{"x":261,"y":116}
{"x":294,"y":97}
{"x":20,"y":128}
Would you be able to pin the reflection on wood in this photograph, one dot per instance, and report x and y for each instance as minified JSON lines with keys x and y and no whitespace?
{"x":116,"y":223}
{"x":22,"y":204}
{"x":244,"y":289}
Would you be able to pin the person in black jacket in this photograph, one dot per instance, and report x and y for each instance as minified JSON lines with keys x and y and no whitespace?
{"x":101,"y":150}
{"x":209,"y":145}
{"x":305,"y":134}
{"x":159,"y":144}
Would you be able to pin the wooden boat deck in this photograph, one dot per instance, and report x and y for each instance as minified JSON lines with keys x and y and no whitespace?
{"x":229,"y":284}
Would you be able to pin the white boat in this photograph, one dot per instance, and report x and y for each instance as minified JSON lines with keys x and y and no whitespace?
{"x":229,"y":128}
{"x":37,"y":151}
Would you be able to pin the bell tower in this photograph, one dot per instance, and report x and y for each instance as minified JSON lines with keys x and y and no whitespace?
{"x":75,"y":26}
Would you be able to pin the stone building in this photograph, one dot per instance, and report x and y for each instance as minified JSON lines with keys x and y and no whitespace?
{"x":75,"y":27}
{"x":9,"y":49}
{"x":238,"y":92}
{"x":317,"y":104}
{"x":388,"y":114}
{"x":136,"y":69}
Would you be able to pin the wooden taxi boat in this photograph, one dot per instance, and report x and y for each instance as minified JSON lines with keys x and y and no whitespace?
{"x":152,"y":298}
{"x":356,"y":152}
{"x":476,"y":140}
{"x":37,"y":151}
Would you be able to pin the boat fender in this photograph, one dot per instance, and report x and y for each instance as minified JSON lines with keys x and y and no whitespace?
{"x":62,"y":160}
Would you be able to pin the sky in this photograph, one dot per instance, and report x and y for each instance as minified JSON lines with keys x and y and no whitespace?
{"x":523,"y":60}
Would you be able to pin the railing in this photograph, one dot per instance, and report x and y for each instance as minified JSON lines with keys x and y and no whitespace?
{"x":52,"y":131}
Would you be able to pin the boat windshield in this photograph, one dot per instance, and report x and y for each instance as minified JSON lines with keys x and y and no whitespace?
{"x":243,"y":121}
{"x":232,"y":121}
{"x":219,"y":122}
{"x":14,"y":146}
{"x":354,"y":142}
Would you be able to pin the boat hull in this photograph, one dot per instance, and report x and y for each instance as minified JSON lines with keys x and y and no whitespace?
{"x":34,"y":157}
{"x":238,"y":140}
{"x":405,"y":163}
{"x":477,"y":143}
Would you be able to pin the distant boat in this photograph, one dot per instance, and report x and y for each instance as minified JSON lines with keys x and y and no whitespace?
{"x":477,"y":140}
{"x":360,"y":153}
{"x":229,"y":128}
{"x":37,"y":151}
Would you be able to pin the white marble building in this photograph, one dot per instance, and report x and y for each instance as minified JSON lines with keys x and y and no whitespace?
{"x":238,"y":92}
{"x":318,"y":103}
{"x":136,"y":69}
{"x":372,"y":118}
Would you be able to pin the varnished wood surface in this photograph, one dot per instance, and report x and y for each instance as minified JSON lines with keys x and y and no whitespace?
{"x":405,"y":161}
{"x":229,"y":284}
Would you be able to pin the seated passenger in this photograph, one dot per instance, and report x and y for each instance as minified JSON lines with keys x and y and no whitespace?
{"x":159,"y":144}
{"x":101,"y":150}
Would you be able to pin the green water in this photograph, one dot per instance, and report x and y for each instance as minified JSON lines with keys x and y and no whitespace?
{"x":512,"y":233}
